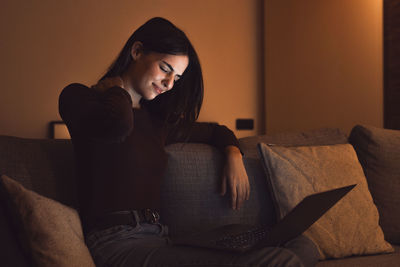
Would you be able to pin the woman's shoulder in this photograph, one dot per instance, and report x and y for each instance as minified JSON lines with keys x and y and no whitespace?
{"x":74,"y":90}
{"x":75,"y":86}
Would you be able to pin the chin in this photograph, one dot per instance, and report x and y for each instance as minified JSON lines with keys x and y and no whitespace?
{"x":151,"y":97}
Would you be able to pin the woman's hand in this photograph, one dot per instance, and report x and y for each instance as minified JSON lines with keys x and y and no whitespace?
{"x":235,"y":177}
{"x":109,"y":82}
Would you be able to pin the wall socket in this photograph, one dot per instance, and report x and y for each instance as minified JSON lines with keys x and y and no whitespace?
{"x":244,"y":124}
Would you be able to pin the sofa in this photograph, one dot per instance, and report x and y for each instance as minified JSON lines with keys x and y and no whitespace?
{"x":190,"y":199}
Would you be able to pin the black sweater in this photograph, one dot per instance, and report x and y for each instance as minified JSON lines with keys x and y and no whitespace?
{"x":119,"y":150}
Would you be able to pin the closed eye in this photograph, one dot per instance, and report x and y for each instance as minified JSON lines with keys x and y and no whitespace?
{"x":169,"y":70}
{"x":164,"y":69}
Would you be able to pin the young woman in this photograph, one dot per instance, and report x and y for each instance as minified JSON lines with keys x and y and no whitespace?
{"x":150,"y":97}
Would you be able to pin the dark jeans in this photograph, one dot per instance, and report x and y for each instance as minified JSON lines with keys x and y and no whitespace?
{"x":148,"y":245}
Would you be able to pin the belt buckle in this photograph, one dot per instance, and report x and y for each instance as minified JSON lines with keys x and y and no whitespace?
{"x":151,"y":215}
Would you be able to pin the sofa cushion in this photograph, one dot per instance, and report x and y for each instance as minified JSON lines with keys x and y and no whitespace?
{"x":49,"y":231}
{"x":348,"y":228}
{"x":191,"y":199}
{"x":379,"y":153}
{"x":380,"y":260}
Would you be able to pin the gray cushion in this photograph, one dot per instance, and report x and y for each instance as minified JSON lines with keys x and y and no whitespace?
{"x":379,"y":153}
{"x":191,"y":199}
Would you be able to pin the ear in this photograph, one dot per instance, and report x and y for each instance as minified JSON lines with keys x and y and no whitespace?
{"x":136,"y":50}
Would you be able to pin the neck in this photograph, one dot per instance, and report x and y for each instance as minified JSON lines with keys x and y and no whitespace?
{"x":134,"y":95}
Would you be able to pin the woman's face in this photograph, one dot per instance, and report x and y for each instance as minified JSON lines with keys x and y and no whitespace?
{"x":154,"y":73}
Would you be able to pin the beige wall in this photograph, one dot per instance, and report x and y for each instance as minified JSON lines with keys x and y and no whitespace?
{"x":47,"y":44}
{"x":323,"y":64}
{"x":323,"y":58}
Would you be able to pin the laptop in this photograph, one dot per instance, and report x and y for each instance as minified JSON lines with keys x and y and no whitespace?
{"x":242,"y":238}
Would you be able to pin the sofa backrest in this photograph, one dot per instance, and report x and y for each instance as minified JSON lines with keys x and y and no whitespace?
{"x":45,"y":166}
{"x":190,"y":192}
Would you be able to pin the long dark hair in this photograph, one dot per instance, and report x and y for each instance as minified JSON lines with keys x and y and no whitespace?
{"x":178,"y":107}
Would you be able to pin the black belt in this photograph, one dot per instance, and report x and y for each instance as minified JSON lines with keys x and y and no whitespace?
{"x":129,"y":217}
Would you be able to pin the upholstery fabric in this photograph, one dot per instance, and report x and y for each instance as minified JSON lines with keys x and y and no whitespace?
{"x":50,"y":231}
{"x":351,"y":226}
{"x":45,"y":166}
{"x":190,"y":195}
{"x":380,"y":260}
{"x":379,"y":153}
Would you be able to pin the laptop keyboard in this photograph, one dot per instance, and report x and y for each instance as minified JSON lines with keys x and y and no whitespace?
{"x":243,"y":240}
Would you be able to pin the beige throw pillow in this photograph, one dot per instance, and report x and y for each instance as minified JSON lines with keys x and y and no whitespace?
{"x":50,"y":231}
{"x":348,"y":228}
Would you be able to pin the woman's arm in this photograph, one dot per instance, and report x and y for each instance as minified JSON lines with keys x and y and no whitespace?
{"x":103,"y":112}
{"x":213,"y":134}
{"x":234,"y":175}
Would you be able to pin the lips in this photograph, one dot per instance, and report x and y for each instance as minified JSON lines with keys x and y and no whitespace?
{"x":157,"y":89}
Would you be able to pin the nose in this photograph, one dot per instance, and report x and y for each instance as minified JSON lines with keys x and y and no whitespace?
{"x":168,"y":82}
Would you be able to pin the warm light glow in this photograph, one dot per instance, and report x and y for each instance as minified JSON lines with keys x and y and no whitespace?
{"x":61,"y":131}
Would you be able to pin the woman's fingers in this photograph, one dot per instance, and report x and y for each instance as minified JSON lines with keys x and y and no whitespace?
{"x":240,"y":198}
{"x":239,"y":192}
{"x":223,"y":185}
{"x":236,"y":177}
{"x":247,"y":190}
{"x":233,"y":190}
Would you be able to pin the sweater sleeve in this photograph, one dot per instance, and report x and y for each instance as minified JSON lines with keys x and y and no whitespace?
{"x":213,"y":134}
{"x":101,"y":116}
